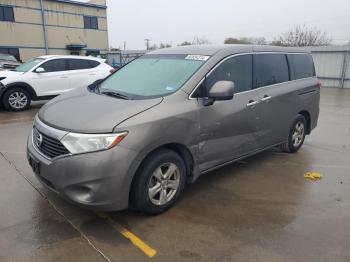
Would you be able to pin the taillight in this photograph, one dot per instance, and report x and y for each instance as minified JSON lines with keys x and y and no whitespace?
{"x":112,"y":70}
{"x":319,"y":84}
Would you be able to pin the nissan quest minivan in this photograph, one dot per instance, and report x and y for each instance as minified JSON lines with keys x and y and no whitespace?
{"x":134,"y":139}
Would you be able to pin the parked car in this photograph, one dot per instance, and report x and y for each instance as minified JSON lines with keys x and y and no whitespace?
{"x":47,"y":76}
{"x":136,"y":138}
{"x":8,"y":62}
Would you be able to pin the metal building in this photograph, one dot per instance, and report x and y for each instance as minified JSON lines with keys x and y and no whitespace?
{"x":29,"y":28}
{"x":332,"y":65}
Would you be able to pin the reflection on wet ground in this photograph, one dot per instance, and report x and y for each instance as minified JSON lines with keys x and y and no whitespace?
{"x":260,"y":209}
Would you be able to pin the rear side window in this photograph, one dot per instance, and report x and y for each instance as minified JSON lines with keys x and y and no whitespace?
{"x":302,"y":65}
{"x":78,"y":64}
{"x":270,"y":69}
{"x":55,"y":65}
{"x":93,"y":63}
{"x":237,"y":69}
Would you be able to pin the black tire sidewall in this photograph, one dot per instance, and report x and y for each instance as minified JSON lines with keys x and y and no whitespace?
{"x":5,"y":99}
{"x":139,"y":193}
{"x":297,"y":119}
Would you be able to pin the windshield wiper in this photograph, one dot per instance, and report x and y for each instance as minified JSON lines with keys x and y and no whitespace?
{"x":115,"y":94}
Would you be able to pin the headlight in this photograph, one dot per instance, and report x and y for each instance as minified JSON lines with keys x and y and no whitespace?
{"x":82,"y":143}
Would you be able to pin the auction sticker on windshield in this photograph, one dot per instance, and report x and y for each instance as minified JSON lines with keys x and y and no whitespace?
{"x":197,"y":57}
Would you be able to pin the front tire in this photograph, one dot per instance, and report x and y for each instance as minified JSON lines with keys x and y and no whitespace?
{"x":16,"y":99}
{"x":159,"y":182}
{"x":296,"y":135}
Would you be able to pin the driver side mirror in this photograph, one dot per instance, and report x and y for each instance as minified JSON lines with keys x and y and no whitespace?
{"x":40,"y":70}
{"x":221,"y":90}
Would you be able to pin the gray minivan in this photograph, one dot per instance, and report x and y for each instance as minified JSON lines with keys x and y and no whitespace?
{"x":135,"y":138}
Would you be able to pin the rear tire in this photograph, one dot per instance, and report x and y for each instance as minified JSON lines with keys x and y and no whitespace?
{"x":159,"y":182}
{"x":16,"y":99}
{"x":296,"y":135}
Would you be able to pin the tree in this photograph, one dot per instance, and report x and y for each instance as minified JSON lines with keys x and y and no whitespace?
{"x":153,"y":47}
{"x":185,"y":43}
{"x":161,"y":45}
{"x":302,"y":35}
{"x":246,"y":40}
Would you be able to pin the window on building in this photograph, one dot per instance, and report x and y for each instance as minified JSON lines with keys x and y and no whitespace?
{"x":11,"y":51}
{"x":90,"y":22}
{"x":270,"y":69}
{"x":237,"y":69}
{"x":55,"y":65}
{"x":302,"y":65}
{"x":6,"y":14}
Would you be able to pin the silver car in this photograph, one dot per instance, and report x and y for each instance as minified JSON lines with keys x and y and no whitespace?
{"x":134,"y":139}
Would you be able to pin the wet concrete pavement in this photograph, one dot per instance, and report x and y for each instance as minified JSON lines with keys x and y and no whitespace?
{"x":260,"y":209}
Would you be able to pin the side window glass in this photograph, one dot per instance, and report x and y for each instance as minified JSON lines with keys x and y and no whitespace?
{"x":303,"y":65}
{"x":78,"y":64}
{"x":93,"y":63}
{"x":237,"y":69}
{"x":55,"y":65}
{"x":270,"y":69}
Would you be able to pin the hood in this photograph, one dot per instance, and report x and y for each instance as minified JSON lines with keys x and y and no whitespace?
{"x":83,"y":111}
{"x":10,"y":74}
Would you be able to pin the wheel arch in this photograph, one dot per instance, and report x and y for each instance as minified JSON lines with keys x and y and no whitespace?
{"x":23,"y":85}
{"x":181,"y":149}
{"x":307,"y":116}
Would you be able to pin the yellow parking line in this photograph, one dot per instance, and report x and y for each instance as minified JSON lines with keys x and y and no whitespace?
{"x":136,"y":241}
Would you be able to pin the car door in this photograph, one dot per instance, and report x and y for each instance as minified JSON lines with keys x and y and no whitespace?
{"x":82,"y":72}
{"x":229,"y":129}
{"x":271,"y":78}
{"x":54,"y":80}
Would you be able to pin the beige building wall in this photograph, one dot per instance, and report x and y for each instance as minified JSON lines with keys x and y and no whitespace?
{"x":64,"y":26}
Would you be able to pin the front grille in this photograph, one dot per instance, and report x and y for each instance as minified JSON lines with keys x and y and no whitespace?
{"x":47,"y":145}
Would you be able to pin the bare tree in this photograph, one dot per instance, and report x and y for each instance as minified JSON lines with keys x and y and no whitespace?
{"x":302,"y":35}
{"x":246,"y":40}
{"x":161,"y":45}
{"x":185,"y":43}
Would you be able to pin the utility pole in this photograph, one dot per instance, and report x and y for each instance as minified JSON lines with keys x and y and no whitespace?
{"x":147,"y":43}
{"x":42,"y":9}
{"x":124,"y":45}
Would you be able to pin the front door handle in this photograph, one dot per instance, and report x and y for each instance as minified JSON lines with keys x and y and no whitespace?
{"x":252,"y":103}
{"x":266,"y":98}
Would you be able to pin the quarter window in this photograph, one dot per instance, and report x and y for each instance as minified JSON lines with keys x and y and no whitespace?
{"x":237,"y":69}
{"x":6,"y":14}
{"x":90,"y":22}
{"x":302,"y":65}
{"x":55,"y":65}
{"x":270,"y":69}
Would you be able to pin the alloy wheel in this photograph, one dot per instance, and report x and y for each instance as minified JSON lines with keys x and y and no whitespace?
{"x":298,"y":134}
{"x":18,"y":100}
{"x":163,"y":184}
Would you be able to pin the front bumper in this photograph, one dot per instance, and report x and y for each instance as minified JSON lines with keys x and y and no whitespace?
{"x":99,"y":180}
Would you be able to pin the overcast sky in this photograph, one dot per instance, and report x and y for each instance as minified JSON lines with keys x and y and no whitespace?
{"x":175,"y":21}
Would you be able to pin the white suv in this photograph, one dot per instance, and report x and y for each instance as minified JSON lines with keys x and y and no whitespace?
{"x":47,"y":76}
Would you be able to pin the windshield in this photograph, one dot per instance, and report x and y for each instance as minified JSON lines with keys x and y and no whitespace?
{"x":7,"y":57}
{"x":29,"y":65}
{"x":153,"y":75}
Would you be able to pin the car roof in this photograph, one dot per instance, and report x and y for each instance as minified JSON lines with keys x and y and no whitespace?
{"x":71,"y":56}
{"x":213,"y":49}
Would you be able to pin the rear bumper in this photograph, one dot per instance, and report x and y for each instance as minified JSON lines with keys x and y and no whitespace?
{"x":99,"y":181}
